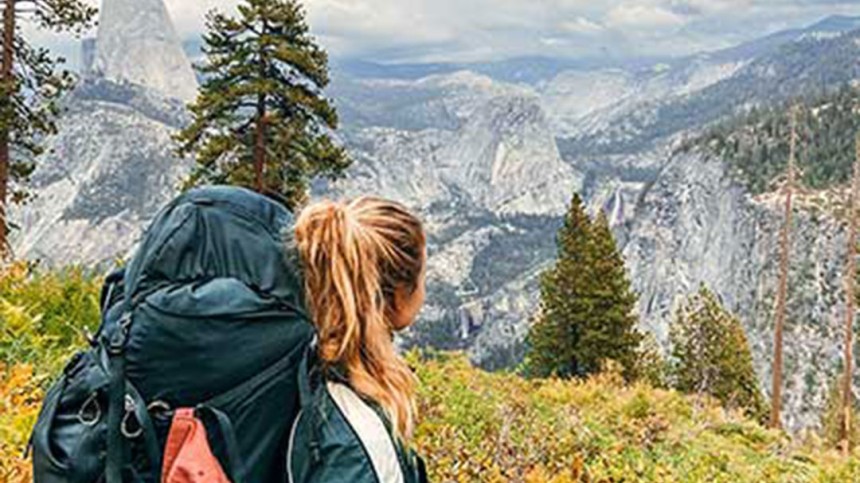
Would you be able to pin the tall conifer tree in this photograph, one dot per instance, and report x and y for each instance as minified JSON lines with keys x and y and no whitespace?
{"x":31,"y":86}
{"x":782,"y":291}
{"x":261,"y":120}
{"x":610,"y":332}
{"x":555,"y":333}
{"x":587,"y":305}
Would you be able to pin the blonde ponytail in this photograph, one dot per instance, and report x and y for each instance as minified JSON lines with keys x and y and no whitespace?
{"x":354,"y":256}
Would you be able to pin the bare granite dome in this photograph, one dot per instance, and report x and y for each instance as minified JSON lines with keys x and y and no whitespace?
{"x":137,"y":43}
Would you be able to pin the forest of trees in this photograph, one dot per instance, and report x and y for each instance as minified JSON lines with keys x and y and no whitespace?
{"x":756,"y":145}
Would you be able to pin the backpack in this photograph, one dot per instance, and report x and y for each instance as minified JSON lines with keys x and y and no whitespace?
{"x":338,"y":436}
{"x":207,"y":317}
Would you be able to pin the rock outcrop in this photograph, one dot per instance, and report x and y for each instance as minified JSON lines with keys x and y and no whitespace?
{"x":696,"y":225}
{"x":112,"y":165}
{"x":137,"y":43}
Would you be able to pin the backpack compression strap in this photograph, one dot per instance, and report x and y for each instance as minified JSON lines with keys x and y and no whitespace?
{"x":124,"y":400}
{"x":116,"y":392}
{"x":117,"y":386}
{"x":308,"y":369}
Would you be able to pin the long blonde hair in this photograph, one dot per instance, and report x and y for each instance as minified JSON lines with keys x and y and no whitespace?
{"x":355,"y":255}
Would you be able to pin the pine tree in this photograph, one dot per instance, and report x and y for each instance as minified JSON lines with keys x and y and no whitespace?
{"x":587,"y":304}
{"x":710,"y":355}
{"x":261,"y":120}
{"x":610,"y":332}
{"x":832,"y":430}
{"x":555,"y":333}
{"x":31,"y":86}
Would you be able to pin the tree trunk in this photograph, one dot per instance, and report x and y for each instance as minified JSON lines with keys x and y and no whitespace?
{"x":260,"y":141}
{"x":7,"y":79}
{"x":260,"y":144}
{"x":782,"y":291}
{"x":850,"y":273}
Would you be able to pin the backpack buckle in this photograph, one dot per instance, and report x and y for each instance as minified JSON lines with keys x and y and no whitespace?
{"x":90,"y":412}
{"x":91,"y":338}
{"x":120,"y":337}
{"x":130,"y":411}
{"x":160,"y":410}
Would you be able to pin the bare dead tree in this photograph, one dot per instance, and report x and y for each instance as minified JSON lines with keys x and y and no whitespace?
{"x":782,"y":290}
{"x":850,"y":303}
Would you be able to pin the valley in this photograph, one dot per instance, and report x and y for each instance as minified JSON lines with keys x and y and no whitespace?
{"x":490,"y":159}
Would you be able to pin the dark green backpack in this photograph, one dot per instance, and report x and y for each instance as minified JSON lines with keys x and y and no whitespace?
{"x":208,"y":315}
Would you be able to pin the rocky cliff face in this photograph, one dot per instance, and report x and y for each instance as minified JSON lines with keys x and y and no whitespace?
{"x":487,"y":176}
{"x":590,"y":102}
{"x":695,"y":225}
{"x":111,"y":167}
{"x":138,"y":44}
{"x":106,"y":174}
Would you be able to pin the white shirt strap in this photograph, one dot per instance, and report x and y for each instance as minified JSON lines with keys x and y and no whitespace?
{"x":370,"y":430}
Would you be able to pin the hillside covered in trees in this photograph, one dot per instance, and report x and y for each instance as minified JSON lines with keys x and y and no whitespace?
{"x":756,"y":145}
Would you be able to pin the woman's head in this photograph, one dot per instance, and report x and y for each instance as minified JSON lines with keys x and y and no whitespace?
{"x":364,"y":278}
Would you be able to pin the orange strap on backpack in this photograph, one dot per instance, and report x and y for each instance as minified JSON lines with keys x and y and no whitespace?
{"x":187,"y":455}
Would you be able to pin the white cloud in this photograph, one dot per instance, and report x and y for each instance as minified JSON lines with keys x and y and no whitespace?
{"x":420,"y":30}
{"x":582,"y":25}
{"x":356,"y":26}
{"x":554,"y":41}
{"x":643,"y":17}
{"x":710,"y":7}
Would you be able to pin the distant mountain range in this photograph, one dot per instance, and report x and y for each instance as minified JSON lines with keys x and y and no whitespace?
{"x":681,"y":216}
{"x":490,"y":155}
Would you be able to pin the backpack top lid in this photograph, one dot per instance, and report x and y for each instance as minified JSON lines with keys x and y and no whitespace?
{"x":219,"y":232}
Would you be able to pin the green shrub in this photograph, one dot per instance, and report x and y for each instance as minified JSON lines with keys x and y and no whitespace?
{"x":45,"y":315}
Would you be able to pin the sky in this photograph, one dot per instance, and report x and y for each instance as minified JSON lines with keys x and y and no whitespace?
{"x":396,"y":31}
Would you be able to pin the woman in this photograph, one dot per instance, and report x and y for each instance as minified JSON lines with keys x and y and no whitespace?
{"x":363,"y":270}
{"x":210,"y":361}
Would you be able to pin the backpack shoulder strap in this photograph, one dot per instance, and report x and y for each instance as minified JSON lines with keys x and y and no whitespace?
{"x":371,"y":430}
{"x":309,"y":374}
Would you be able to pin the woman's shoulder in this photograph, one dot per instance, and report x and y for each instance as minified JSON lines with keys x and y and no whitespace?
{"x":354,"y":441}
{"x":371,"y":429}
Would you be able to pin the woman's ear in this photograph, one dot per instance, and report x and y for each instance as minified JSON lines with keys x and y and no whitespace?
{"x":406,"y":305}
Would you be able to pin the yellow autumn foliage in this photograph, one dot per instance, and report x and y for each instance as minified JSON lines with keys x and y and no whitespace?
{"x":475,"y":426}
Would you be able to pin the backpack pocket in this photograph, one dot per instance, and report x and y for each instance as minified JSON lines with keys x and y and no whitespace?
{"x":187,"y":455}
{"x":68,"y":438}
